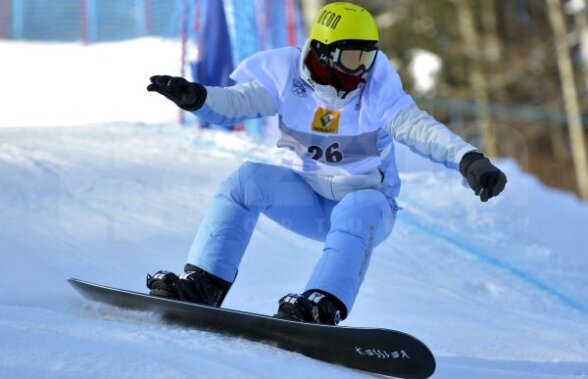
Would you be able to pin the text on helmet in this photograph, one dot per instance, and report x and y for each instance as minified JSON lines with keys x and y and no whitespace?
{"x":328,"y":19}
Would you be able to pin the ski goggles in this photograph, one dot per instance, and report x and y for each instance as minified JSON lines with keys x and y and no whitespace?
{"x":353,"y":59}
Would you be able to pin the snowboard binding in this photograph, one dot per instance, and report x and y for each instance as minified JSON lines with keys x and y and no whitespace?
{"x":194,"y":285}
{"x":312,"y":306}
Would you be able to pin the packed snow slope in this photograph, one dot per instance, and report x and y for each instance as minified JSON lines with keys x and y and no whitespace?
{"x":496,"y":290}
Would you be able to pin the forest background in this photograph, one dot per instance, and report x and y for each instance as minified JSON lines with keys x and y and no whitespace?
{"x":498,"y":69}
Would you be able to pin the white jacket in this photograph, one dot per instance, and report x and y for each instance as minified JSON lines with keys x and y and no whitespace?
{"x":277,"y":82}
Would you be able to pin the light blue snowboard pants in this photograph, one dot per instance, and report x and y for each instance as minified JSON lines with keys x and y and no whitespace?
{"x":350,"y":228}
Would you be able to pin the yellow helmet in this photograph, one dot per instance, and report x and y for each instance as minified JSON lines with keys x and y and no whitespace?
{"x":342,"y":21}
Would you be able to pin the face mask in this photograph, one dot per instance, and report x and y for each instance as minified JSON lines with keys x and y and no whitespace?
{"x":348,"y":82}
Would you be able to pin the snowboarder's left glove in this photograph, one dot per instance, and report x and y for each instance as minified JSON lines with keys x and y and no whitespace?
{"x":188,"y":96}
{"x":483,"y":177}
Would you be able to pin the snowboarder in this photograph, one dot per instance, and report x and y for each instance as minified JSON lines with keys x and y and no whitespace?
{"x":341,"y":106}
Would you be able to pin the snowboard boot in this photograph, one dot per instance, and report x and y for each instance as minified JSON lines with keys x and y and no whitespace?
{"x":313,"y":306}
{"x":194,"y":285}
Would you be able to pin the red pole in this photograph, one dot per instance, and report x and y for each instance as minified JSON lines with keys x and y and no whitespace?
{"x":291,"y":22}
{"x":261,"y":22}
{"x":5,"y":18}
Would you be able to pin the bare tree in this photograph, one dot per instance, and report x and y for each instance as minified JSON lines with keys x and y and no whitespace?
{"x":570,"y":95}
{"x":581,"y":32}
{"x":476,"y":76}
{"x":492,"y":46}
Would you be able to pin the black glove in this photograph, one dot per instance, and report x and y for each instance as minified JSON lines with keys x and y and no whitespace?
{"x":483,"y":177}
{"x":186,"y":95}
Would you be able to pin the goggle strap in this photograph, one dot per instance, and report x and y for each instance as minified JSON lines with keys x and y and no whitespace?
{"x":336,"y":54}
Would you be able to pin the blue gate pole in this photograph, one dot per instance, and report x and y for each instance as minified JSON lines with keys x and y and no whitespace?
{"x":92,"y":21}
{"x":89,"y":21}
{"x":17,"y":29}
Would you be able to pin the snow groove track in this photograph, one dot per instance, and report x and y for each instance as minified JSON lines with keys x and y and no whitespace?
{"x":489,"y":259}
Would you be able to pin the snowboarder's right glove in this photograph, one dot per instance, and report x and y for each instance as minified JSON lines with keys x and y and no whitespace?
{"x":483,"y":177}
{"x":188,"y":96}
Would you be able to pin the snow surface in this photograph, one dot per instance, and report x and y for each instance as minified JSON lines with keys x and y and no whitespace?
{"x":496,"y":290}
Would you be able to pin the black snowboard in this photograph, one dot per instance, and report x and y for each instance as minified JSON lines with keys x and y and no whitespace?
{"x":380,"y":351}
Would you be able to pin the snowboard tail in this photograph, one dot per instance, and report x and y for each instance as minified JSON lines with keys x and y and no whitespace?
{"x":381,"y":351}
